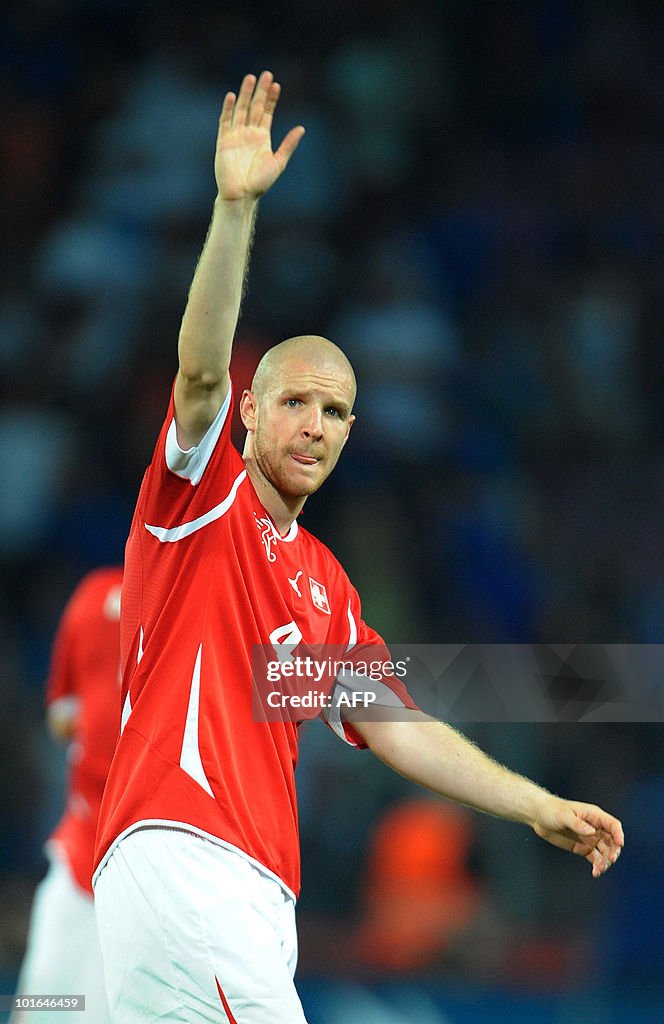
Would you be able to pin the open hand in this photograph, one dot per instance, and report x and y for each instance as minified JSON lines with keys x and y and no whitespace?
{"x":245,"y":166}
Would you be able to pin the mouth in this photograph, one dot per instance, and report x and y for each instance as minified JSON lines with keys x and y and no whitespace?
{"x":304,"y":460}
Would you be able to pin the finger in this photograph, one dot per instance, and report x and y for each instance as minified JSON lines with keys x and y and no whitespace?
{"x":260,"y":97}
{"x":617,"y":832}
{"x":600,"y":863}
{"x":289,"y":145}
{"x":601,"y":819}
{"x":598,"y":841}
{"x":567,"y":839}
{"x":602,"y":845}
{"x":603,"y":842}
{"x":226,"y":116}
{"x":609,"y":839}
{"x":603,"y":857}
{"x":610,"y":843}
{"x":560,"y":839}
{"x":580,"y":822}
{"x":270,"y":104}
{"x":609,"y":848}
{"x":244,"y":99}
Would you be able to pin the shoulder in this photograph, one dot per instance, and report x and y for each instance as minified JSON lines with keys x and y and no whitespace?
{"x":176,"y":474}
{"x":96,"y":590}
{"x":105,"y":577}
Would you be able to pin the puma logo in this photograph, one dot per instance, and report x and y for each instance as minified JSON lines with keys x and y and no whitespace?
{"x":293,"y":583}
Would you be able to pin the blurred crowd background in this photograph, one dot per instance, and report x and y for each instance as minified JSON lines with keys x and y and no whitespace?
{"x":476,"y":215}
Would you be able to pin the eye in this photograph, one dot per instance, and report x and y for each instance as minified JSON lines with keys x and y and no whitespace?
{"x":332,"y":411}
{"x":293,"y":403}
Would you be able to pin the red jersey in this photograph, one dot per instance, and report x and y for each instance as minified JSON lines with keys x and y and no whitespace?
{"x":208,"y":577}
{"x":85,"y":668}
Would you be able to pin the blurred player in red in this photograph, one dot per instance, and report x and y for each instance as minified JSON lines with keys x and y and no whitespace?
{"x":198,"y":853}
{"x":83,"y":709}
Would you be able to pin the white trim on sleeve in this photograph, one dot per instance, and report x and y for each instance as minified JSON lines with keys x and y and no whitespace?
{"x":349,"y":682}
{"x":191,"y":464}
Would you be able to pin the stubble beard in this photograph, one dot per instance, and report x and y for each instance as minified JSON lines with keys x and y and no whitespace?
{"x":275,"y":472}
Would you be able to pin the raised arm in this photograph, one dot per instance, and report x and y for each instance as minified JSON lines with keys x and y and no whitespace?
{"x":245,"y":168}
{"x":436,"y":756}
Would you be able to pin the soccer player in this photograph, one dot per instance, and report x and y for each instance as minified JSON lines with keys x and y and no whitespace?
{"x":197,"y":853}
{"x":83,"y":708}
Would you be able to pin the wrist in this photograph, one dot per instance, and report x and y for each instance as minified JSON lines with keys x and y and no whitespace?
{"x":238,"y":205}
{"x":537,"y":805}
{"x":232,"y":219}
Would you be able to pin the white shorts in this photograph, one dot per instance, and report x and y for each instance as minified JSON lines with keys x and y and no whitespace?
{"x":191,"y":931}
{"x":62,"y":955}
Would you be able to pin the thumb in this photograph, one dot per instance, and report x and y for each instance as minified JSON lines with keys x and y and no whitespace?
{"x":289,"y":144}
{"x":580,"y":825}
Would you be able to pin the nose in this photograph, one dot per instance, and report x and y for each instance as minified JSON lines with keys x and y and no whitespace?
{"x":313,"y":423}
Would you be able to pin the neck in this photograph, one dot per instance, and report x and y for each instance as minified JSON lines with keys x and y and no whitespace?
{"x":282,"y":509}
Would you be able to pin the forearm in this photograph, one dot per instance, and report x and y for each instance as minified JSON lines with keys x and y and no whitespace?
{"x":436,"y":756}
{"x":213,"y":306}
{"x":211,"y":315}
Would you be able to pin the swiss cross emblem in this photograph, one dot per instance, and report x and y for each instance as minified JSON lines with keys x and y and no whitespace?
{"x":319,"y":596}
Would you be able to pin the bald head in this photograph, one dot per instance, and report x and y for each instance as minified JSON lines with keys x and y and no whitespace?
{"x":298,"y":416}
{"x":305,"y":352}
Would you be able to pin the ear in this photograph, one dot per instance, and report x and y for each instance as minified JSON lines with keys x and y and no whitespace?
{"x":351,"y":420}
{"x":248,"y":409}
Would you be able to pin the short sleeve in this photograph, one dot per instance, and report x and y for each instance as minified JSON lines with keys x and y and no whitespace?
{"x":192,"y":463}
{"x":369,"y":673}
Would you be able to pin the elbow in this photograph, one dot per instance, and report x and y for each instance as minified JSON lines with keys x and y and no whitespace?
{"x":381,"y":737}
{"x":199,"y":379}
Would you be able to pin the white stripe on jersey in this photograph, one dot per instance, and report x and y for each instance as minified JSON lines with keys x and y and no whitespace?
{"x":126,"y":711}
{"x":169,"y":536}
{"x":190,"y":758}
{"x":352,"y":637}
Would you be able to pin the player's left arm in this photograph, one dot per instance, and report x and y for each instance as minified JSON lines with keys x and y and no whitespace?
{"x":434,"y":755}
